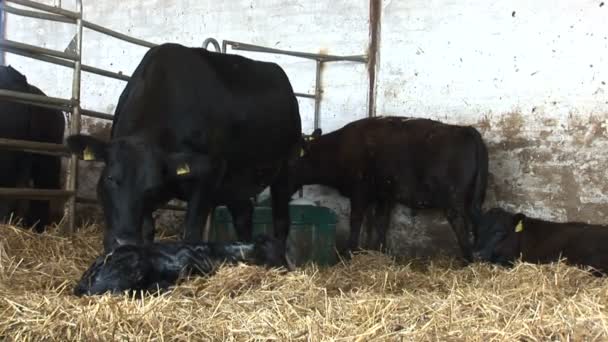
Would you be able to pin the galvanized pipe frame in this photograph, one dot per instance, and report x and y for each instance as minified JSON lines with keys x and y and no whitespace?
{"x":48,"y":55}
{"x":67,"y":60}
{"x":319,"y":58}
{"x":72,"y":176}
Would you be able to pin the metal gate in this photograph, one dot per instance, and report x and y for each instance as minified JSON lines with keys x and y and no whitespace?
{"x":73,"y":59}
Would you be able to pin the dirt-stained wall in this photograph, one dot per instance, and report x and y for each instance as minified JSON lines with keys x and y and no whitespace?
{"x":531,"y":76}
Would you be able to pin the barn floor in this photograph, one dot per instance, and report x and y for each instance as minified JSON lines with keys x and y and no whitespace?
{"x":368,"y":298}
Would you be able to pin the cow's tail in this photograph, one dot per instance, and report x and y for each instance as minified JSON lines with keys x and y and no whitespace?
{"x":481,"y":179}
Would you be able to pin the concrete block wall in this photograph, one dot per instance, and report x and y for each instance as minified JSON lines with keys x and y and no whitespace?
{"x":531,"y":76}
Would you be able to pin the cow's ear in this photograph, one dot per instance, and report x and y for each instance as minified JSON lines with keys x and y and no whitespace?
{"x":187,"y":165}
{"x":87,"y":147}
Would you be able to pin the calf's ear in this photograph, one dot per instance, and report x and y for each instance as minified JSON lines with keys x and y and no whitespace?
{"x":518,"y":220}
{"x":187,"y":165}
{"x":87,"y":147}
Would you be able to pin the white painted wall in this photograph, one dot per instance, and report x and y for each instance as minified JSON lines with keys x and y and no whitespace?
{"x":531,"y":76}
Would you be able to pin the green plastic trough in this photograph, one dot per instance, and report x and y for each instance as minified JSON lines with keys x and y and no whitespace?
{"x":311,"y":238}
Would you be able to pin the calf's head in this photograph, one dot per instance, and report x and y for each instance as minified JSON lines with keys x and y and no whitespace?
{"x":120,"y":270}
{"x":307,"y":164}
{"x":498,"y":236}
{"x":271,"y":252}
{"x":134,"y":179}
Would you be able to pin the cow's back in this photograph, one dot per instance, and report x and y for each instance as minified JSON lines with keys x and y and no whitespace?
{"x":402,"y":139}
{"x":221,"y":104}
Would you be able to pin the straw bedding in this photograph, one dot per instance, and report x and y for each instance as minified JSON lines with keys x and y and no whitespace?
{"x":371,"y":297}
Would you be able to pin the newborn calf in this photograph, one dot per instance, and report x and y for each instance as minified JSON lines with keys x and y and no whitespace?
{"x":160,"y":265}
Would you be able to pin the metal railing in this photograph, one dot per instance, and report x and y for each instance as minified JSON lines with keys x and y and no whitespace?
{"x":318,"y":58}
{"x":67,"y":59}
{"x":74,"y":60}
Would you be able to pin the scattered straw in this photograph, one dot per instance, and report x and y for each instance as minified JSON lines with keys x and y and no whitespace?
{"x":368,"y":298}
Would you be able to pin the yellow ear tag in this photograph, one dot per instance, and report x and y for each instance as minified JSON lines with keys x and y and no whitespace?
{"x":302,"y":153}
{"x":88,"y":154}
{"x":520,"y":227}
{"x":183,"y":170}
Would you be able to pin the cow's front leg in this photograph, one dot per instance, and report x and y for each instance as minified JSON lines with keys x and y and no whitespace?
{"x":199,"y":207}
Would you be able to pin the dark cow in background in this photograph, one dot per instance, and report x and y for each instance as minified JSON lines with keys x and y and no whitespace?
{"x":19,"y":169}
{"x":160,"y":265}
{"x":204,"y":127}
{"x":505,"y":236}
{"x":420,"y":163}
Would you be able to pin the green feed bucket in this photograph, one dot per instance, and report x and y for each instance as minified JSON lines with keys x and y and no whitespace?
{"x":311,"y":238}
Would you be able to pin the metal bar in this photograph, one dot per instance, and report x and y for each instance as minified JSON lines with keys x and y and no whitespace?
{"x":315,"y":56}
{"x":35,"y":14}
{"x":44,"y":58}
{"x":33,"y":98}
{"x":29,"y":193}
{"x":317,"y":119}
{"x":98,"y":115}
{"x":375,"y":13}
{"x":4,"y":43}
{"x":34,"y":147}
{"x":309,"y":96}
{"x":116,"y":34}
{"x":47,"y":8}
{"x":58,"y":107}
{"x":69,"y":64}
{"x":105,"y":73}
{"x":74,"y":128}
{"x":213,"y":42}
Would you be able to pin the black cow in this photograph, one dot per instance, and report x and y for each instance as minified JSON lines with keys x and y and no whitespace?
{"x":420,"y":163}
{"x":505,"y":236}
{"x":204,"y":127}
{"x":19,"y":169}
{"x":159,"y":265}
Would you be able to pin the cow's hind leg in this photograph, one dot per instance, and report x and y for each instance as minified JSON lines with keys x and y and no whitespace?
{"x":242,"y":218}
{"x":460,"y":224}
{"x":382,"y":223}
{"x":198,"y":209}
{"x":279,"y":191}
{"x":358,"y":206}
{"x":148,"y":229}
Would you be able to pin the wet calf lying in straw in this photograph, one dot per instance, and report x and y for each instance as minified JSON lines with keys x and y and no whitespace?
{"x":160,"y":265}
{"x":504,"y":236}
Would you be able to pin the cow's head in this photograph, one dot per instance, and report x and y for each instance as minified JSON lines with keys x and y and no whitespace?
{"x":498,"y":239}
{"x":134,"y":179}
{"x":120,"y":270}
